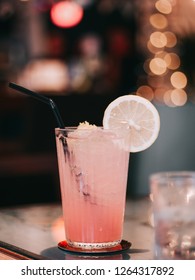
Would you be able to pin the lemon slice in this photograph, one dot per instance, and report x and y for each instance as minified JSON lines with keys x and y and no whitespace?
{"x":134,"y":118}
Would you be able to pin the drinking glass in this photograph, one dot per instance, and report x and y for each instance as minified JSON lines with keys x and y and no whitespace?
{"x":93,"y":168}
{"x":173,"y":195}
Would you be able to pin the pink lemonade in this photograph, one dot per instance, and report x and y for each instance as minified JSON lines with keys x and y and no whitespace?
{"x":93,"y":168}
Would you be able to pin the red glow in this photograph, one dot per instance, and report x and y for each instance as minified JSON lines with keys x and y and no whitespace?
{"x":66,"y":14}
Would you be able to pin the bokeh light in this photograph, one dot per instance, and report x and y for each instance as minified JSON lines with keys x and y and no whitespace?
{"x":178,"y":97}
{"x":178,"y":80}
{"x":45,"y":75}
{"x":167,"y":98}
{"x":164,"y":6}
{"x":172,"y":60}
{"x":158,"y":39}
{"x":66,"y":14}
{"x":171,"y":39}
{"x":158,"y":66}
{"x":146,"y":92}
{"x":158,"y":21}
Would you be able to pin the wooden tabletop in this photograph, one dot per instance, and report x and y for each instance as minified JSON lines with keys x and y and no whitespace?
{"x":37,"y":229}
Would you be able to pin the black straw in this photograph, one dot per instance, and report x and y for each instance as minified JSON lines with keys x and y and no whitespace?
{"x":43,"y":99}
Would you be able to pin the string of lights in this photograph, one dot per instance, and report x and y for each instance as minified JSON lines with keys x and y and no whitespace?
{"x":165,"y":83}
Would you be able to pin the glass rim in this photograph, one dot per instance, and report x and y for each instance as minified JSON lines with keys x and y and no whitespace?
{"x":85,"y":132}
{"x":163,"y":175}
{"x":71,"y":128}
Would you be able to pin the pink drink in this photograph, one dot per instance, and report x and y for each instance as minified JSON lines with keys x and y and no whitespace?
{"x":93,"y":171}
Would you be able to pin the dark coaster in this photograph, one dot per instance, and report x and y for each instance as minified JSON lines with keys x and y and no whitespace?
{"x":121,"y":247}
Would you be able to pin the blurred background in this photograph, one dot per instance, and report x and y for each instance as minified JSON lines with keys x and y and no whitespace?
{"x":83,"y":54}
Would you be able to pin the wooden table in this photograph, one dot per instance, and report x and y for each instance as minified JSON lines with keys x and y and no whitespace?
{"x":39,"y":228}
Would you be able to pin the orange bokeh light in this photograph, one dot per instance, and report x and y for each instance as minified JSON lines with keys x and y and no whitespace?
{"x":178,"y":80}
{"x":158,"y":39}
{"x":146,"y":92}
{"x":158,"y":21}
{"x":66,"y":14}
{"x":158,"y":66}
{"x":171,"y":39}
{"x":164,"y":6}
{"x":178,"y":97}
{"x":172,"y":60}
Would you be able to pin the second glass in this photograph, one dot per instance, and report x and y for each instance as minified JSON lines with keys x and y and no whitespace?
{"x":173,"y":195}
{"x":93,"y":168}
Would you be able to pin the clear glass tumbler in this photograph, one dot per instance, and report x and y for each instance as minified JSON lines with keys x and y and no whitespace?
{"x":93,"y":170}
{"x":173,"y":195}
